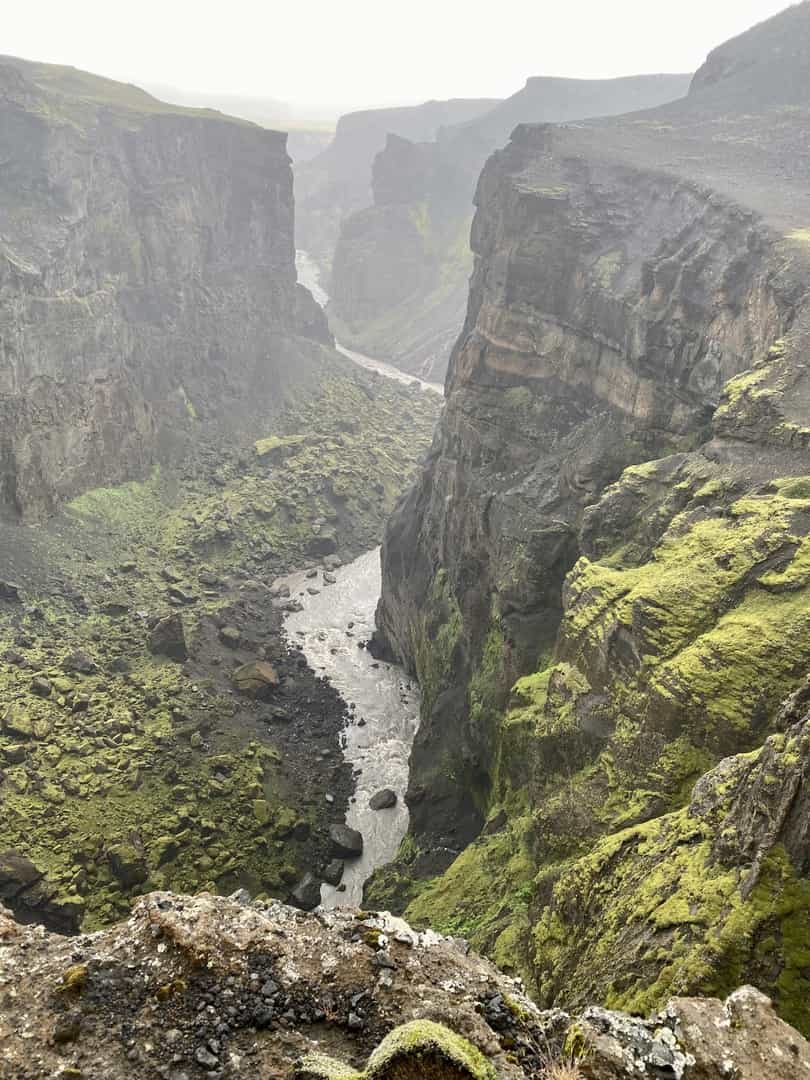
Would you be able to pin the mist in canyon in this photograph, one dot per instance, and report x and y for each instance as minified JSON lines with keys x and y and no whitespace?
{"x":405,"y":542}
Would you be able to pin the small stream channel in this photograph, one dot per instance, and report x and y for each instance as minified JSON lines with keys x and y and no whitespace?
{"x":335,"y":619}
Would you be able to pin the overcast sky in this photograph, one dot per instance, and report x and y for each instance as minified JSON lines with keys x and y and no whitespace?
{"x":356,"y":52}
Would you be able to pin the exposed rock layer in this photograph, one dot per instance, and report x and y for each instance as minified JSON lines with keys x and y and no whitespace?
{"x":658,"y":623}
{"x":399,"y":281}
{"x":147,"y":281}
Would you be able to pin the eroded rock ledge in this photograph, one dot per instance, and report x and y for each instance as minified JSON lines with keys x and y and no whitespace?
{"x":215,"y":987}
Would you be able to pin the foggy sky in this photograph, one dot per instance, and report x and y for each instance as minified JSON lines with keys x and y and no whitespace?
{"x":370,"y":52}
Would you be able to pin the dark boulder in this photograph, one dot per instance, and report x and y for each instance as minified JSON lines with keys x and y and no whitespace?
{"x":307,"y":893}
{"x":9,"y":591}
{"x":333,"y":872}
{"x":346,"y":842}
{"x":383,"y":800}
{"x":80,"y":662}
{"x":168,"y":638}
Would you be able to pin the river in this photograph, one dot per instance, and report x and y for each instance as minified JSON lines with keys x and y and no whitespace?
{"x":309,"y":275}
{"x":335,"y":619}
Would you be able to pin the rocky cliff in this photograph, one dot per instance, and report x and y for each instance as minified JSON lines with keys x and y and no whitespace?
{"x":147,"y":282}
{"x":338,"y":181}
{"x":401,"y":267}
{"x":599,"y":579}
{"x":226,"y":988}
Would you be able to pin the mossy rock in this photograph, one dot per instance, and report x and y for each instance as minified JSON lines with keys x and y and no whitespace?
{"x":420,"y":1050}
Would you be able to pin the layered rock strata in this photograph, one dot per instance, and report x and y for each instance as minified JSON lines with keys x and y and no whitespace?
{"x":401,"y":266}
{"x":599,"y":579}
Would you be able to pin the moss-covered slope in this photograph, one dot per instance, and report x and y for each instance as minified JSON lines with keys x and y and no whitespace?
{"x":122,"y":769}
{"x":686,"y":625}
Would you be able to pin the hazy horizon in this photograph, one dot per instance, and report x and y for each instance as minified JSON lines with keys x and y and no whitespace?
{"x":323,"y":58}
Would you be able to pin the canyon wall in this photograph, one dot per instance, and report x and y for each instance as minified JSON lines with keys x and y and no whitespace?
{"x":401,"y":267}
{"x":147,"y":282}
{"x":338,"y":181}
{"x":599,"y":578}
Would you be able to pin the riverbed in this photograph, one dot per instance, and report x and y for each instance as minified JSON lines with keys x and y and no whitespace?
{"x":335,"y":621}
{"x":309,"y":276}
{"x":331,"y":630}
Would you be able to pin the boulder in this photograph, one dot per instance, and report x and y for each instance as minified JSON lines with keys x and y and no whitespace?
{"x":127,"y":865}
{"x":383,"y":800}
{"x":230,"y":636}
{"x":333,"y":872}
{"x":307,"y":893}
{"x":9,"y":591}
{"x":168,"y":638}
{"x":345,"y":841}
{"x":258,"y":679}
{"x":17,"y":873}
{"x":323,"y":543}
{"x":80,"y":662}
{"x":41,"y":687}
{"x":18,"y":723}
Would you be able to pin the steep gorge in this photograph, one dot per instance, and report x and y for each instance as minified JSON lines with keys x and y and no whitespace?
{"x":401,"y":267}
{"x":599,"y":577}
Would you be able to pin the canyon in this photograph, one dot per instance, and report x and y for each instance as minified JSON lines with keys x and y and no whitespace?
{"x":400,"y":268}
{"x":520,"y":793}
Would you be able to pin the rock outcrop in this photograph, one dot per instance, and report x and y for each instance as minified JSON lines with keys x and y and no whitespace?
{"x":599,"y":579}
{"x":222,"y":988}
{"x":147,"y":282}
{"x":401,"y":266}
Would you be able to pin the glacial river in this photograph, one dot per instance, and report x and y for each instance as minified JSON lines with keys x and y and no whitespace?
{"x":334,"y":620}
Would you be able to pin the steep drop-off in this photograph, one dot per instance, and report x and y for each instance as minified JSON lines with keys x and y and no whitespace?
{"x":401,"y":267}
{"x":147,"y":282}
{"x":599,"y":579}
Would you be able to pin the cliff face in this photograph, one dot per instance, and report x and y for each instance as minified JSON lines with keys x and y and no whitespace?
{"x":599,"y":579}
{"x":401,"y":267}
{"x":338,"y":181}
{"x":147,"y":281}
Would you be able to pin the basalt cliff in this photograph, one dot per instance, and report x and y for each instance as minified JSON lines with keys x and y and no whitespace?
{"x":401,"y":267}
{"x":147,"y":282}
{"x":337,"y":182}
{"x":601,"y":576}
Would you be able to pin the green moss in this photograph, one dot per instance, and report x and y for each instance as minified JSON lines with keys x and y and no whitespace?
{"x":484,"y":894}
{"x":425,"y":1038}
{"x":436,"y":640}
{"x":263,"y":447}
{"x":157,"y":762}
{"x":421,"y":1047}
{"x":321,"y":1067}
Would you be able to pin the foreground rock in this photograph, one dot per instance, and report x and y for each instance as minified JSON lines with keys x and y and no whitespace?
{"x":195,"y":986}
